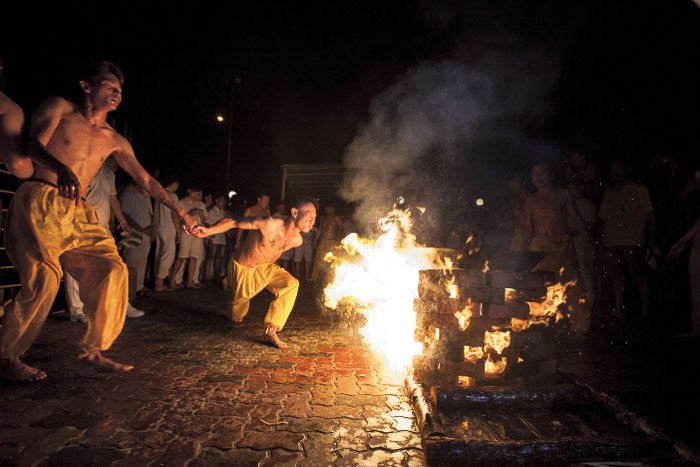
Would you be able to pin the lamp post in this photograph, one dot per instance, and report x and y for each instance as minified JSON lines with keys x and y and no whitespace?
{"x":233,"y":82}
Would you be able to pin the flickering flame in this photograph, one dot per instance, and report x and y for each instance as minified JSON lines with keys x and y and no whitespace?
{"x":452,"y":288}
{"x":469,"y":239}
{"x":511,"y":296}
{"x":379,"y":279}
{"x":486,"y":266}
{"x":465,"y":315}
{"x":473,"y":354}
{"x":542,"y":313}
{"x":497,"y":340}
{"x":495,"y":368}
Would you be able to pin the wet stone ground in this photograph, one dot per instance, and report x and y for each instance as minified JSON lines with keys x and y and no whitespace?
{"x":204,"y":393}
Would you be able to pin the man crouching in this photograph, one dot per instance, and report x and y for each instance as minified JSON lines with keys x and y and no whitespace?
{"x":253,"y":268}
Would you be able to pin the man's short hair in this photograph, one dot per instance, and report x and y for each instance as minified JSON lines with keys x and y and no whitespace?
{"x":194,"y":188}
{"x":96,"y":68}
{"x":303,"y":202}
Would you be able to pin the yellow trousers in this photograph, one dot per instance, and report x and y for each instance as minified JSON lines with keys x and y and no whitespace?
{"x":245,"y":283}
{"x":44,"y":232}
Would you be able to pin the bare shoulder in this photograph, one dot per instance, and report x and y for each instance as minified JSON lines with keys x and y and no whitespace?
{"x":56,"y":105}
{"x":9,"y":109}
{"x":11,"y":115}
{"x":271,"y":224}
{"x":121,"y":142}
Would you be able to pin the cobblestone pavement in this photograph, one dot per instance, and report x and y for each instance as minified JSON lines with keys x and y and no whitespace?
{"x":204,"y":393}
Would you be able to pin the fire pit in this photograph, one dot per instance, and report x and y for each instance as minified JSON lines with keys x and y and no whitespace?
{"x":487,"y":390}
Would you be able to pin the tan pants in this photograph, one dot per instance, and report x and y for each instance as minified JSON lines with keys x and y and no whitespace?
{"x":561,"y":259}
{"x":245,"y":283}
{"x":41,"y":228}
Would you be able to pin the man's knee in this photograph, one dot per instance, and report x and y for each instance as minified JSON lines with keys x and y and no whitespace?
{"x":47,"y":279}
{"x":114,"y":268}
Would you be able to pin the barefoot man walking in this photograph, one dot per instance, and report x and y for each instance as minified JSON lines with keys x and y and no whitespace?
{"x":253,"y":268}
{"x":48,"y":220}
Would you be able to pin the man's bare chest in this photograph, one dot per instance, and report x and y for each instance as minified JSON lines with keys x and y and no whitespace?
{"x":77,"y":139}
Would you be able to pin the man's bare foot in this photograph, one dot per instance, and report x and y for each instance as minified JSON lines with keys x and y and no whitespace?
{"x":271,"y":337}
{"x":13,"y":369}
{"x":96,"y":358}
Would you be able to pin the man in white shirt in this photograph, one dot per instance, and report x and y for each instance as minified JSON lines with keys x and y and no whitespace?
{"x":627,"y":228}
{"x":167,"y":235}
{"x":216,"y":243}
{"x":191,"y":248}
{"x":138,"y":210}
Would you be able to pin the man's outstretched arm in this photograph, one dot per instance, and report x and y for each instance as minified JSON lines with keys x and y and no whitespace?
{"x":243,"y":223}
{"x":127,"y":161}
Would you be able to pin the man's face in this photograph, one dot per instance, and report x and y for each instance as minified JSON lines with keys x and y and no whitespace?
{"x":195,"y":195}
{"x":541,"y":176}
{"x":304,"y":218}
{"x":618,"y":172}
{"x":105,"y":91}
{"x":281,"y":208}
{"x":264,"y":201}
{"x":175,"y":186}
{"x":330,"y":210}
{"x":220,"y":202}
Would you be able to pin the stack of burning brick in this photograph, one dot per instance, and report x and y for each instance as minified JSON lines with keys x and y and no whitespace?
{"x":486,"y":327}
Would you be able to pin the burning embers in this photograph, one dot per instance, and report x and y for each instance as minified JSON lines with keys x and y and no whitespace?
{"x":497,"y":324}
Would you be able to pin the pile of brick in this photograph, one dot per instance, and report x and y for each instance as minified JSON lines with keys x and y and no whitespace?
{"x":484,"y":327}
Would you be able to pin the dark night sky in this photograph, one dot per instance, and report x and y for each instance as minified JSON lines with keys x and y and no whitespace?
{"x":629,"y":82}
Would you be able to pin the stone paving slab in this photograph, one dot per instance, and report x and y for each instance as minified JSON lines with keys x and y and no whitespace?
{"x":204,"y":393}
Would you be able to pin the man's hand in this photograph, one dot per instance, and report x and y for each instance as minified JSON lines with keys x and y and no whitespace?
{"x":200,"y":231}
{"x":68,"y":184}
{"x":126,"y":227}
{"x":677,"y":248}
{"x":188,"y":223}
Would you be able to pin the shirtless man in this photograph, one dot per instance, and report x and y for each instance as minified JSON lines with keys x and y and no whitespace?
{"x":11,"y":144}
{"x":329,"y":229}
{"x":252,"y":268}
{"x":48,"y":220}
{"x":547,"y":212}
{"x":260,"y":209}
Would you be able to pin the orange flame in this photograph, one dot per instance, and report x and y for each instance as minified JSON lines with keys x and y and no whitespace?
{"x":473,"y":354}
{"x":379,"y":279}
{"x":465,"y":315}
{"x":497,"y":340}
{"x":486,"y":266}
{"x":495,"y":368}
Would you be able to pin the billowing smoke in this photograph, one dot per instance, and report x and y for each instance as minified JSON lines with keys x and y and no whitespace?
{"x":446,"y":133}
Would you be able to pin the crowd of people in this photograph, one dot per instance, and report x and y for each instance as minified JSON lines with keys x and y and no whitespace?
{"x":622,"y":242}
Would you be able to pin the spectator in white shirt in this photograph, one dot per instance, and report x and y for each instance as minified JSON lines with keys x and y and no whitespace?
{"x":627,"y":229}
{"x":168,"y":235}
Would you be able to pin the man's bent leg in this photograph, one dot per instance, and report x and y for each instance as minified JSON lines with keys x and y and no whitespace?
{"x":285,"y":287}
{"x":25,"y":316}
{"x":244,"y":283}
{"x":103,"y":279}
